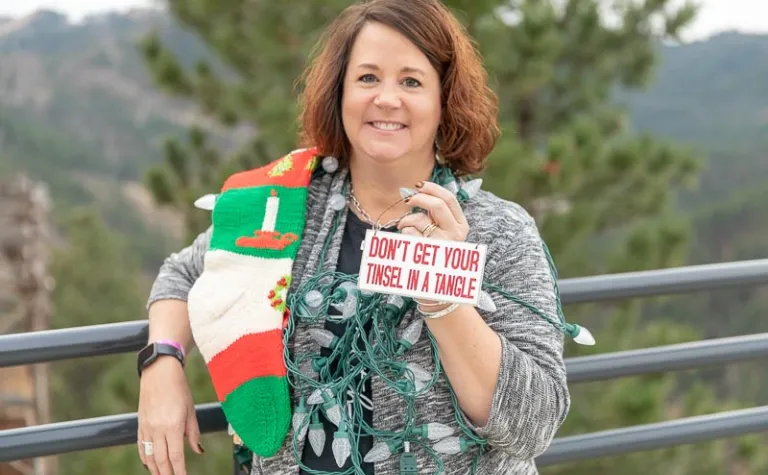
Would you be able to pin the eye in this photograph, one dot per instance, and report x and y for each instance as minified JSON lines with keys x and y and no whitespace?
{"x":367,"y":78}
{"x":410,"y":82}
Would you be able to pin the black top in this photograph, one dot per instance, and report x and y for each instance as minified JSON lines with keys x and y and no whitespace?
{"x":350,"y":256}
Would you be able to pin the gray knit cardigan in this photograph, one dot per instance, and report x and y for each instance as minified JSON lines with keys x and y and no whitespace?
{"x":531,"y":397}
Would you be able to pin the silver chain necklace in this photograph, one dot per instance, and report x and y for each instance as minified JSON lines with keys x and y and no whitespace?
{"x":367,"y":218}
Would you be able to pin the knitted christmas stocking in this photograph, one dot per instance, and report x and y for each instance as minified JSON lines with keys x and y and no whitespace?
{"x":237,"y":306}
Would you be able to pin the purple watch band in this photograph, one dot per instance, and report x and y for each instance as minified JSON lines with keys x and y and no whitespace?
{"x":173,"y":344}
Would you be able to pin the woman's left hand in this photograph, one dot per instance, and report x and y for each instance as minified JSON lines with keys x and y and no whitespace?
{"x":443,"y":210}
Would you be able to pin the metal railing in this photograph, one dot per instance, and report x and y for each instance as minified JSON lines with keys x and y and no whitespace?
{"x":99,"y":340}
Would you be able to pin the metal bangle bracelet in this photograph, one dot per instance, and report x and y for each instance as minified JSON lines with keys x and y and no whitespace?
{"x":439,"y":313}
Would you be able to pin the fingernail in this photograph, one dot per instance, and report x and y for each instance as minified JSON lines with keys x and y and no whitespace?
{"x":407,"y":192}
{"x":200,"y":446}
{"x":419,"y":184}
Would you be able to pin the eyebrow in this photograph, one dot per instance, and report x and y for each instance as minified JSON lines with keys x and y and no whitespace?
{"x":406,"y":69}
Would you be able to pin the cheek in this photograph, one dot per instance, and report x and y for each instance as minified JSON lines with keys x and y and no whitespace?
{"x":352,"y":109}
{"x":427,"y":113}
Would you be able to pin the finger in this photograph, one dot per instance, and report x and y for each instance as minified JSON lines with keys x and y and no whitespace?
{"x":437,"y":207}
{"x":193,"y":431}
{"x":415,"y":220}
{"x":149,"y":460}
{"x":175,"y":441}
{"x":444,"y":194}
{"x":411,"y":231}
{"x":160,"y":458}
{"x":140,"y":448}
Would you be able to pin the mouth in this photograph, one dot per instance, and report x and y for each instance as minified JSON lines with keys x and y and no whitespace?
{"x":387,"y":126}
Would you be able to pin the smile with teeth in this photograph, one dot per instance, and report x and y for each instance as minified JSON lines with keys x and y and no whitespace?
{"x":387,"y":125}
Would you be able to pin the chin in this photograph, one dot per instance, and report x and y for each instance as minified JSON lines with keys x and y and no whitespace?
{"x":384,"y":153}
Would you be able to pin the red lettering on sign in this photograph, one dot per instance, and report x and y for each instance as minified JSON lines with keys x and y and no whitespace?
{"x":383,"y":248}
{"x":384,"y":275}
{"x":425,"y":253}
{"x":464,"y":259}
{"x":455,"y":285}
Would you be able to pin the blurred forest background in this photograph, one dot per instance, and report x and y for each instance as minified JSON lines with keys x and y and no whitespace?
{"x":632,"y":151}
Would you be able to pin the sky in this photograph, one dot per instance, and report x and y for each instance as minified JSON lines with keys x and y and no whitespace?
{"x":714,"y":16}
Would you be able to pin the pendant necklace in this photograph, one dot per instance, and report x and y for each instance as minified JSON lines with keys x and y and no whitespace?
{"x":367,"y":218}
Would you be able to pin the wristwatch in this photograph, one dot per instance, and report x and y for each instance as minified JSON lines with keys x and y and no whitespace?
{"x":152,"y":351}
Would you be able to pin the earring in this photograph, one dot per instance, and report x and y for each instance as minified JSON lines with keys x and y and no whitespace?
{"x":438,"y":158}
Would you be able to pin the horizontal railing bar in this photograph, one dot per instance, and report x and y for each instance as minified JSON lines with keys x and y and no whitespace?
{"x":655,"y":282}
{"x":78,"y":342}
{"x":655,"y":436}
{"x":665,"y":358}
{"x":64,"y":437}
{"x":87,"y":434}
{"x":99,"y":340}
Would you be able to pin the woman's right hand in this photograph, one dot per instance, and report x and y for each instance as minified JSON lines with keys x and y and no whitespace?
{"x":166,"y":416}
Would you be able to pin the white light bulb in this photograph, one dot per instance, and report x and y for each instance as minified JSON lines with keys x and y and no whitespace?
{"x":317,"y":396}
{"x":317,"y":439}
{"x":486,"y":302}
{"x":333,"y":413}
{"x":313,"y":298}
{"x":380,"y":451}
{"x":584,"y":337}
{"x":407,"y":192}
{"x":348,"y":286}
{"x":323,"y":337}
{"x":341,"y":447}
{"x":452,"y":187}
{"x":349,"y":308}
{"x":298,"y":424}
{"x":449,"y":445}
{"x":437,"y":431}
{"x":472,"y":187}
{"x":419,"y":372}
{"x":206,"y":202}
{"x":330,"y":164}
{"x":412,"y":333}
{"x":396,"y":300}
{"x":337,"y":202}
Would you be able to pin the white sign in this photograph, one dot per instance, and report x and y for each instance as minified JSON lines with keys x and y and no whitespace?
{"x":425,"y":268}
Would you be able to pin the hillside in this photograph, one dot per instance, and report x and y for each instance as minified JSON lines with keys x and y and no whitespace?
{"x":78,"y":109}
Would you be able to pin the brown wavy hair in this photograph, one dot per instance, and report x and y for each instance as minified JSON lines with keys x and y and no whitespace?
{"x":468,"y":128}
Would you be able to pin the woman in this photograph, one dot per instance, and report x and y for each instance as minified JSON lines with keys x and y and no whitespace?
{"x":396,"y":112}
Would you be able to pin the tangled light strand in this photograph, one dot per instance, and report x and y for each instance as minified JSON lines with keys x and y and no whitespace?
{"x":360,"y":354}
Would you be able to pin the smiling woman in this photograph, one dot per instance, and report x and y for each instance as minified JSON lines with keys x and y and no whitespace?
{"x":395,"y":114}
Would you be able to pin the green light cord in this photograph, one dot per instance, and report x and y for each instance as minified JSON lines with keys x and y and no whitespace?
{"x":358,"y":355}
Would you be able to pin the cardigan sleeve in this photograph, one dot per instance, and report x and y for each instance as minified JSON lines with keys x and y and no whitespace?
{"x":180,"y":270}
{"x":531,"y":398}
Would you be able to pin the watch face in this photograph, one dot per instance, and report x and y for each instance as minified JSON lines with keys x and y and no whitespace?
{"x":146,"y":355}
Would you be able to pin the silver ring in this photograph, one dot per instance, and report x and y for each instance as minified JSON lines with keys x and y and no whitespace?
{"x":429,"y":229}
{"x":148,"y":448}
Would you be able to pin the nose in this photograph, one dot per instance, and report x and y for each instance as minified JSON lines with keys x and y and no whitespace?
{"x":388,"y":98}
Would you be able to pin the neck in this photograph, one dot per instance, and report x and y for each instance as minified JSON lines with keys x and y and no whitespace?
{"x":377,"y":186}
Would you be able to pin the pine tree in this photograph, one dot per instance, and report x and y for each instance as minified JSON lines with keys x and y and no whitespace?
{"x":600,"y":194}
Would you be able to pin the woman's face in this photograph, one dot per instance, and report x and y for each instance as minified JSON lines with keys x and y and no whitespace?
{"x":391,"y":99}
